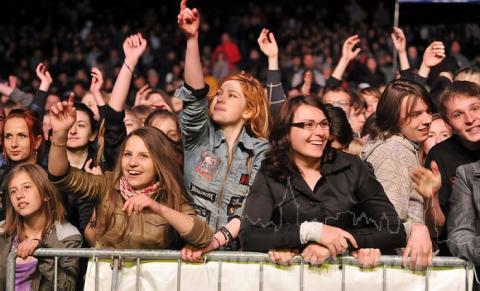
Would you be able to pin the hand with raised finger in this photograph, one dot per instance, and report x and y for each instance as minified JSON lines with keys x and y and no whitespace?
{"x":315,"y":254}
{"x":307,"y":83}
{"x":399,"y":40}
{"x":419,"y":248}
{"x":27,"y":247}
{"x":63,"y":115}
{"x":133,"y":47}
{"x":348,"y":51}
{"x":426,"y":182}
{"x":336,"y":239}
{"x":267,"y":43}
{"x":282,"y":257}
{"x":12,"y":81}
{"x":142,"y":96}
{"x":188,"y":20}
{"x":434,"y":54}
{"x":367,"y":258}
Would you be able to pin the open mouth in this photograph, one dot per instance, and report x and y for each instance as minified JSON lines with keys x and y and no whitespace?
{"x":22,"y":205}
{"x":134,"y":173}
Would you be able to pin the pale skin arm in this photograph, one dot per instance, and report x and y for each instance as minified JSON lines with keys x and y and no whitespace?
{"x":62,"y":117}
{"x":133,"y":47}
{"x":96,"y":86}
{"x":400,"y":44}
{"x":433,"y":55}
{"x":181,"y":222}
{"x":348,"y":54}
{"x":44,"y":75}
{"x":268,"y":45}
{"x":189,"y":22}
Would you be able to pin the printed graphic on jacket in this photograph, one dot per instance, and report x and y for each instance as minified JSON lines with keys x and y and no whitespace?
{"x":208,"y":165}
{"x":202,"y":212}
{"x":207,"y":195}
{"x":235,"y":203}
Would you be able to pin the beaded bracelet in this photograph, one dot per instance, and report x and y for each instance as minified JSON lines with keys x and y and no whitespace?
{"x":58,"y":145}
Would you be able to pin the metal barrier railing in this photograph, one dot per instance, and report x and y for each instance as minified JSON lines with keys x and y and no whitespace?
{"x":261,"y":258}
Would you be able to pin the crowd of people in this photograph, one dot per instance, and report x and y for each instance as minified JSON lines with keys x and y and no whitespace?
{"x":112,"y":139}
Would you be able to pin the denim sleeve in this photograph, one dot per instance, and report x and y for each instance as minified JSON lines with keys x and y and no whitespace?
{"x":463,"y":238}
{"x":194,"y":117}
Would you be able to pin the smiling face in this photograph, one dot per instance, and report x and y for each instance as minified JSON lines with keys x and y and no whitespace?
{"x":308,"y":145}
{"x":228,"y":107}
{"x":464,"y":117}
{"x":24,"y":195}
{"x":17,"y":140}
{"x":415,"y":119}
{"x":80,"y":135}
{"x":137,"y":164}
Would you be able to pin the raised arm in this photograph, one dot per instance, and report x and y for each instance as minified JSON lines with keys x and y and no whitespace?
{"x":348,"y":54}
{"x":62,"y":117}
{"x":433,"y":55}
{"x":189,"y":22}
{"x":400,"y":44}
{"x":133,"y":48}
{"x":96,"y":86}
{"x":268,"y":45}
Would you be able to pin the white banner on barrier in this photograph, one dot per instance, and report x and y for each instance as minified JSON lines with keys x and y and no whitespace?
{"x":162,"y":275}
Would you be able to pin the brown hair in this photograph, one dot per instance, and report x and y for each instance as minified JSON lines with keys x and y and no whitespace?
{"x":52,"y":206}
{"x":168,"y":173}
{"x":462,"y":89}
{"x":258,"y":124}
{"x":279,"y":159}
{"x":389,"y":106}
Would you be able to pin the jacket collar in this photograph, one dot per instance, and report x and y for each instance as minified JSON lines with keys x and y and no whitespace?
{"x":476,"y":169}
{"x":245,"y":139}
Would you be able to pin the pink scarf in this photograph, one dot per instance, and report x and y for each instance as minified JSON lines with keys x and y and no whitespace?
{"x":128,"y":192}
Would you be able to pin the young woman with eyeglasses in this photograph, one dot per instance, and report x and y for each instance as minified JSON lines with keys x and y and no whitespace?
{"x":312,"y":198}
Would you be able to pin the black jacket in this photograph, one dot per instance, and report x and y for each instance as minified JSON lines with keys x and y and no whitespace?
{"x":347,"y":196}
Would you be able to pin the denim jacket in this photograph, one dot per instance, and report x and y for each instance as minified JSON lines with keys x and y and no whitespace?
{"x":219,"y":191}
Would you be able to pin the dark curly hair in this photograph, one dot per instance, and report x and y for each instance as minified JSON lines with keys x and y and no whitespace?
{"x":279,"y":161}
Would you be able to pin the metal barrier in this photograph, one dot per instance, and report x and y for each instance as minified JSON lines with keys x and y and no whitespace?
{"x":261,"y":258}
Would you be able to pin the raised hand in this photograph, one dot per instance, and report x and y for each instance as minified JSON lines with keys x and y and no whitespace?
{"x":315,"y":254}
{"x":188,"y":20}
{"x":44,"y":75}
{"x":267,"y":43}
{"x":307,"y":83}
{"x":97,"y":80}
{"x":12,"y":81}
{"x":133,"y":48}
{"x":399,"y":40}
{"x":367,"y":258}
{"x":63,"y":115}
{"x":348,"y":53}
{"x":27,"y":247}
{"x":139,"y":203}
{"x":426,"y":182}
{"x":142,"y":95}
{"x":282,"y":257}
{"x":335,"y":239}
{"x":434,"y":54}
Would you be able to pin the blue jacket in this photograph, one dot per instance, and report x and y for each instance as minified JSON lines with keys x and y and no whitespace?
{"x":219,"y":191}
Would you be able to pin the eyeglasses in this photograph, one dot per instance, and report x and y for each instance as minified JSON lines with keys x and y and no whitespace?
{"x":311,"y":125}
{"x":340,"y":103}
